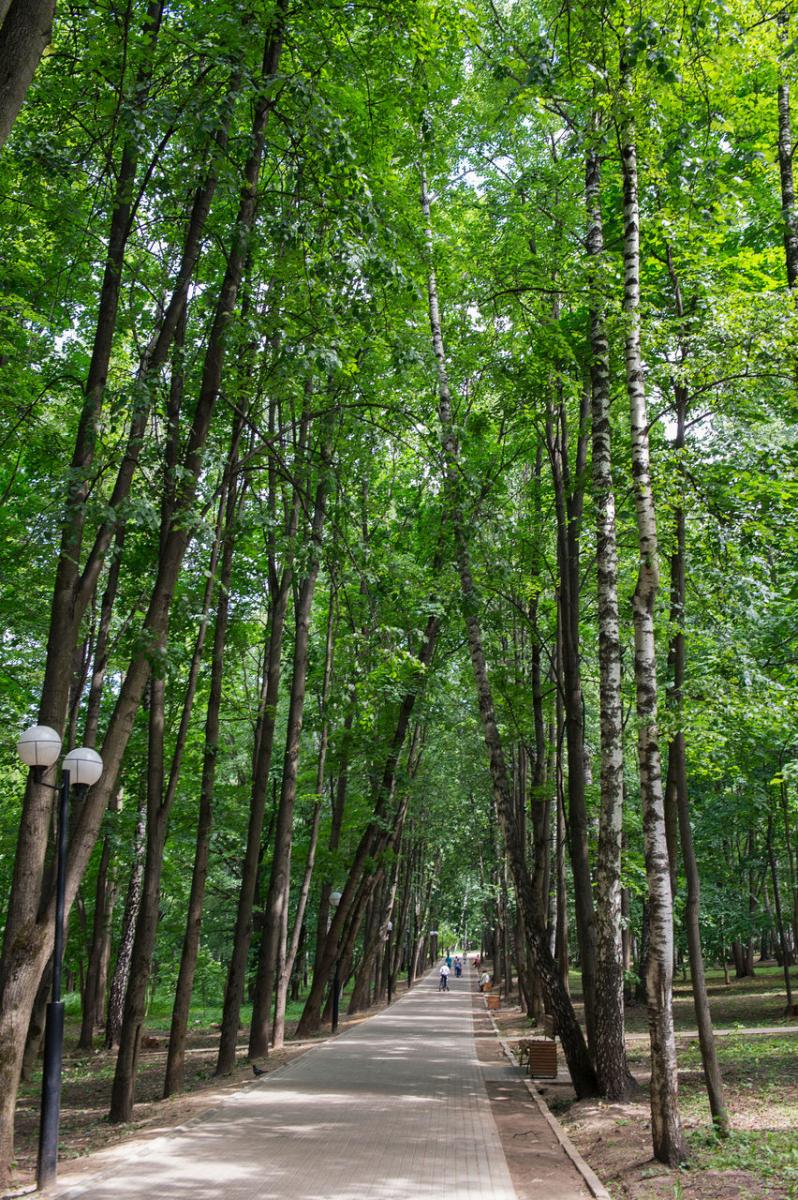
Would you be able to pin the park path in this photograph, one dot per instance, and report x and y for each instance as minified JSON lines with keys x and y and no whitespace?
{"x":395,"y":1108}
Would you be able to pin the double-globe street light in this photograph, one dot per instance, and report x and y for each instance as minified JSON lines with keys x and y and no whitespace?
{"x":335,"y":900}
{"x":39,"y":748}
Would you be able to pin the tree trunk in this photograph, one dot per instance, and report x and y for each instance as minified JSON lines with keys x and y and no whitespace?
{"x":24,"y":36}
{"x":96,"y":972}
{"x":785,"y":166}
{"x":785,"y":956}
{"x":336,"y":824}
{"x":236,"y":970}
{"x":677,"y":769}
{"x":666,"y":1127}
{"x":568,"y":507}
{"x":280,"y":879}
{"x":610,"y":1049}
{"x":116,"y":999}
{"x":175,"y":1061}
{"x":147,"y":924}
{"x":33,"y":1042}
{"x":287,"y":967}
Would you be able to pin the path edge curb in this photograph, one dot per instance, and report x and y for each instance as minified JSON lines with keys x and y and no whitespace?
{"x":592,"y":1181}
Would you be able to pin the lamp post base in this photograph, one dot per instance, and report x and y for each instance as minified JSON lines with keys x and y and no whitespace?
{"x":335,"y":1001}
{"x":47,"y":1164}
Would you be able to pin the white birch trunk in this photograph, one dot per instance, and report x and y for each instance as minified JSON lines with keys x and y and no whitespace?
{"x":666,"y":1125}
{"x":610,"y":1051}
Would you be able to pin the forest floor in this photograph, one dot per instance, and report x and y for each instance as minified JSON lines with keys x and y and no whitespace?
{"x":759,"y":1161}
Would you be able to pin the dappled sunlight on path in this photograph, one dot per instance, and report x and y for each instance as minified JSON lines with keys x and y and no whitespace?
{"x":395,"y":1108}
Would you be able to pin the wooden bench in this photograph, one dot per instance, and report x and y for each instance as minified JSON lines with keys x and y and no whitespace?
{"x":539,"y":1054}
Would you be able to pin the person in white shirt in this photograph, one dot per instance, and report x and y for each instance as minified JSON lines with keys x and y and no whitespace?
{"x":443,"y":986}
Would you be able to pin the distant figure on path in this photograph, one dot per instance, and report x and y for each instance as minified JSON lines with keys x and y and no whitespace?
{"x":458,"y":966}
{"x":449,"y":961}
{"x":443,"y":986}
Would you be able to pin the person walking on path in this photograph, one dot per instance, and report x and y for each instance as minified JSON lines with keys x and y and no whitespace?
{"x":443,"y":986}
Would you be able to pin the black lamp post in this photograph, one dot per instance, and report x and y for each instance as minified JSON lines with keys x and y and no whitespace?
{"x":433,"y":937}
{"x":39,"y":748}
{"x":389,"y":927}
{"x":335,"y":900}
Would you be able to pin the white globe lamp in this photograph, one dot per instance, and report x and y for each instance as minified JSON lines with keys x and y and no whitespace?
{"x":84,"y":765}
{"x":39,"y":746}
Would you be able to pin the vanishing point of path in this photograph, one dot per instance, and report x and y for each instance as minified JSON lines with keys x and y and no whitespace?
{"x":394,"y":1109}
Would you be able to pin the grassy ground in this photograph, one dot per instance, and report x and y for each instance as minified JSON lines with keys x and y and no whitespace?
{"x":759,"y":1001}
{"x":759,"y":1161}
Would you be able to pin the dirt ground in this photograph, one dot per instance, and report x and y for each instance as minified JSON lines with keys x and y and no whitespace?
{"x":758,"y":1162}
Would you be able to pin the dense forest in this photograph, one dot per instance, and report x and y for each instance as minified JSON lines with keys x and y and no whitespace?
{"x":398,"y":489}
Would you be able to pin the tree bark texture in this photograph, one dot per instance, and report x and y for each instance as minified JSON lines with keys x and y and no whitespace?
{"x":116,"y":998}
{"x":609,"y":1048}
{"x":666,"y":1127}
{"x":24,"y":36}
{"x":677,"y":768}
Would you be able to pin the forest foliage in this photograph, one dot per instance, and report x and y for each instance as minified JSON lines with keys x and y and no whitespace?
{"x":238,"y":518}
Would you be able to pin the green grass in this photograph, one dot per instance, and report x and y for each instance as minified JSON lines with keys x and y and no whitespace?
{"x":771,"y":1155}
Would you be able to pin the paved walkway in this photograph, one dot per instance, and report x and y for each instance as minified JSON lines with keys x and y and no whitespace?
{"x":394,"y":1109}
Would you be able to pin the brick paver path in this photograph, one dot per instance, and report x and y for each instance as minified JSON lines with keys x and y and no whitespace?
{"x":394,"y":1109}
